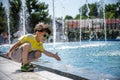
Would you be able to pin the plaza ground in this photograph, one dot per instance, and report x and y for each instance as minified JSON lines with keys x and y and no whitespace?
{"x":10,"y":70}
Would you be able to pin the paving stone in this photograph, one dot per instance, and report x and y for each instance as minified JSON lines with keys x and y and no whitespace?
{"x":10,"y":70}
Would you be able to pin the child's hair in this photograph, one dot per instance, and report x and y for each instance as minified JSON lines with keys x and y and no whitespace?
{"x":41,"y":27}
{"x":47,"y":30}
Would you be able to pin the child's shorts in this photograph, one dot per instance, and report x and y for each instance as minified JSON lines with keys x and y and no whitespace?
{"x":16,"y":55}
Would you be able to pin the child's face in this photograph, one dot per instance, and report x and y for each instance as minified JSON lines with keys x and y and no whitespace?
{"x":42,"y":36}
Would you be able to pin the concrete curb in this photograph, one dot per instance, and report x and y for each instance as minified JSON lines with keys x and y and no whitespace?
{"x":72,"y":76}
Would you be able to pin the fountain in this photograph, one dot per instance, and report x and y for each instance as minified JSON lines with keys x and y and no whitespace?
{"x":89,"y":24}
{"x":54,"y":26}
{"x":95,"y":62}
{"x":88,"y":11}
{"x":23,"y":24}
{"x":23,"y":17}
{"x":87,"y":14}
{"x":101,"y":6}
{"x":80,"y":11}
{"x":8,"y":21}
{"x":104,"y":22}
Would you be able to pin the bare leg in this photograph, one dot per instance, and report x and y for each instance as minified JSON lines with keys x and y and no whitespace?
{"x":37,"y":55}
{"x":26,"y":47}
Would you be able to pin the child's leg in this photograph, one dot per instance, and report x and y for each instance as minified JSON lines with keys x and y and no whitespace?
{"x":26,"y":47}
{"x":32,"y":56}
{"x":16,"y":55}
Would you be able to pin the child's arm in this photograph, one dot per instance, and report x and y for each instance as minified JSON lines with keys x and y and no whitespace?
{"x":52,"y":55}
{"x":16,"y":45}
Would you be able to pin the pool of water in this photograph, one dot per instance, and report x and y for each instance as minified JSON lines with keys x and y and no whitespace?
{"x":96,"y":56}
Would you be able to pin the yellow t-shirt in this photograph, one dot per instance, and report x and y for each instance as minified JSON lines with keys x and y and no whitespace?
{"x":30,"y":38}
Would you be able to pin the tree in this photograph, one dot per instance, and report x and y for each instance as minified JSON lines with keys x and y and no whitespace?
{"x":3,"y":25}
{"x":38,"y":12}
{"x":77,"y":16}
{"x":84,"y":11}
{"x":15,"y":7}
{"x":67,"y":17}
{"x":93,"y":10}
{"x":111,"y":11}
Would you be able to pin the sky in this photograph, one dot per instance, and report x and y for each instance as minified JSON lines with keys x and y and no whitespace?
{"x":67,"y":7}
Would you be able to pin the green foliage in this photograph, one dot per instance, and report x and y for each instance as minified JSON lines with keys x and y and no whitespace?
{"x":38,"y":12}
{"x":110,"y":11}
{"x":110,"y":15}
{"x":77,"y":16}
{"x":68,"y":17}
{"x":84,"y":11}
{"x":93,"y":10}
{"x":3,"y":25}
{"x":15,"y":7}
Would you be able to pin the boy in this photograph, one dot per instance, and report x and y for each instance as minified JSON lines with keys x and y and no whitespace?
{"x":29,"y":48}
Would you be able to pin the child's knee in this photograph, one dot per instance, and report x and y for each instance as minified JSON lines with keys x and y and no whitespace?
{"x":38,"y":54}
{"x":26,"y":46}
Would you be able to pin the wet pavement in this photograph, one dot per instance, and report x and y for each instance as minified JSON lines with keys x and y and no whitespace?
{"x":10,"y":70}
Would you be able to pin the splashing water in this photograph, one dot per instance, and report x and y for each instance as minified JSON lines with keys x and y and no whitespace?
{"x":8,"y":20}
{"x":23,"y":17}
{"x":88,"y":9}
{"x":99,"y":6}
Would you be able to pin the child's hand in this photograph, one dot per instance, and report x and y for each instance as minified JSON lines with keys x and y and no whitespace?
{"x":57,"y":57}
{"x":7,"y":54}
